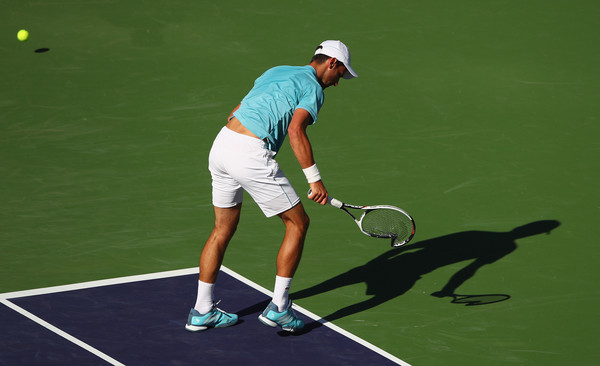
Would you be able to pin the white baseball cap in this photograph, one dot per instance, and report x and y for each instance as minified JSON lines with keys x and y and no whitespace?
{"x":338,"y":50}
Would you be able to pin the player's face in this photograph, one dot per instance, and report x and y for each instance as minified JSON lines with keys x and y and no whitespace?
{"x":333,"y":73}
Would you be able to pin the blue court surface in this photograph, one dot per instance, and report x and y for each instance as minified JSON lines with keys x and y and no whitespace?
{"x":140,"y":320}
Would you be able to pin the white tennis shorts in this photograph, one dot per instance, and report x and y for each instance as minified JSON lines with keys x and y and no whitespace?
{"x":240,"y":163}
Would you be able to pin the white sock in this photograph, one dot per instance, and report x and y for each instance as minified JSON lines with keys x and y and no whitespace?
{"x":204,"y":300}
{"x":281,"y":292}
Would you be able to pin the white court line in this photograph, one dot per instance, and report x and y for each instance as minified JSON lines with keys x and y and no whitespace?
{"x":79,"y":286}
{"x":98,"y":283}
{"x":158,"y":275}
{"x":61,"y":333}
{"x":319,"y":319}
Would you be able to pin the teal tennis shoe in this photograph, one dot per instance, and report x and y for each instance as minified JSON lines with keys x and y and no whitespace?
{"x":215,"y":318}
{"x":287,"y":319}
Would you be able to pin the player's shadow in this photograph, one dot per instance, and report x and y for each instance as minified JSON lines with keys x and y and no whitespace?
{"x":397,"y":270}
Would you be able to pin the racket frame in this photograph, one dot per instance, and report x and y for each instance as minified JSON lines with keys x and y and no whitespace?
{"x":366,"y":209}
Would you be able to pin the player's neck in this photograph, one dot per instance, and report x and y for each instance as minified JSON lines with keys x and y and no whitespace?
{"x":320,"y":69}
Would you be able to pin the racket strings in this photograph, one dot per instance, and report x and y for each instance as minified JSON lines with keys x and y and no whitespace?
{"x":387,"y":223}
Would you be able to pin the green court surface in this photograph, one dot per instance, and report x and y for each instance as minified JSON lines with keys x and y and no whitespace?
{"x":476,"y":117}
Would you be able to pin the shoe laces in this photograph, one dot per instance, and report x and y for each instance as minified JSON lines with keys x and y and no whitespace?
{"x":220,"y":310}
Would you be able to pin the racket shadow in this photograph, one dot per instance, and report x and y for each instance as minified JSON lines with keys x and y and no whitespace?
{"x":396,"y":271}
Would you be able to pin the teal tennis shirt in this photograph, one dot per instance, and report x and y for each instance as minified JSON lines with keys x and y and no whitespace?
{"x":268,"y":108}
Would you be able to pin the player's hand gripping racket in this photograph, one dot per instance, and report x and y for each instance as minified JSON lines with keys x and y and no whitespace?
{"x":380,"y":221}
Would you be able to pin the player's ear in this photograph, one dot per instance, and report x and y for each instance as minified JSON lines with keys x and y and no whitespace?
{"x":332,"y":62}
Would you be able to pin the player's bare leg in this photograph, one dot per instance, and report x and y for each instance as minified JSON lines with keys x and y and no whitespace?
{"x":205,"y":314}
{"x":226,"y":221}
{"x":296,"y":225}
{"x":279,"y":311}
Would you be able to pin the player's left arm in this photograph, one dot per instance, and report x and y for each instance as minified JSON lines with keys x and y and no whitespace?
{"x":233,"y":111}
{"x":303,"y":151}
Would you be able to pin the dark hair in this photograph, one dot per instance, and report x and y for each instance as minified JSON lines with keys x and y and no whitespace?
{"x":319,"y":58}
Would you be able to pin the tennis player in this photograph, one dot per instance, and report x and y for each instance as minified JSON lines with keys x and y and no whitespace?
{"x":284,"y":101}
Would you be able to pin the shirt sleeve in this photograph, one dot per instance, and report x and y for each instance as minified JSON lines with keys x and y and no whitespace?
{"x":311,"y":100}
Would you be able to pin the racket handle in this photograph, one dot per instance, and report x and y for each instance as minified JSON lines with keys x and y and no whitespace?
{"x":330,"y":200}
{"x":335,"y":203}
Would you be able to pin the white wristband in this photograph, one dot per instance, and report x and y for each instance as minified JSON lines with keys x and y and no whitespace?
{"x":312,"y":174}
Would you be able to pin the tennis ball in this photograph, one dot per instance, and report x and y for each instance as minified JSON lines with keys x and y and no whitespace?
{"x":22,"y":35}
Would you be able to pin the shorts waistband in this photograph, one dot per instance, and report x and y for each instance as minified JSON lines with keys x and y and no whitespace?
{"x":243,"y":138}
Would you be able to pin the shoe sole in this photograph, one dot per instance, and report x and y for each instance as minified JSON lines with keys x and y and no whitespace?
{"x":194,"y":328}
{"x":198,"y":328}
{"x":270,"y":323}
{"x":267,"y":321}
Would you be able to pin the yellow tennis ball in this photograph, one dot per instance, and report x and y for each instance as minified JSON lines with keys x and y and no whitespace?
{"x":22,"y":35}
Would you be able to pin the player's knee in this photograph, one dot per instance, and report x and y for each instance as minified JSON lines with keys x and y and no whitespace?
{"x":299,"y":221}
{"x":304,"y":223}
{"x":224,"y":232}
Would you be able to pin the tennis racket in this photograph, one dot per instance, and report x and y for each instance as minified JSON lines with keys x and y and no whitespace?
{"x":380,"y":221}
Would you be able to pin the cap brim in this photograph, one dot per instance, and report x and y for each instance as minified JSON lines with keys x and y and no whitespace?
{"x":350,"y":73}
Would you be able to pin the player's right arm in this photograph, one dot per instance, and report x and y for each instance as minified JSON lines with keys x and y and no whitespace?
{"x":303,"y":151}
